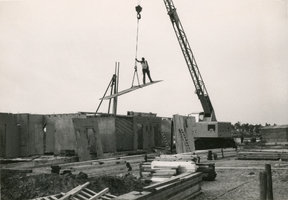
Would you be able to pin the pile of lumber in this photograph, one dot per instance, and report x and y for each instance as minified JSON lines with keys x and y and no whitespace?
{"x":165,"y":166}
{"x":216,"y":153}
{"x":80,"y":192}
{"x":183,"y":186}
{"x":263,"y":154}
{"x":109,"y":166}
{"x":167,"y":169}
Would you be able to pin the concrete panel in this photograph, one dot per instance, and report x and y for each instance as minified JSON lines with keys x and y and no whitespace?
{"x":190,"y":125}
{"x":140,"y":131}
{"x":9,"y":135}
{"x":185,"y":125}
{"x":36,"y":142}
{"x":82,"y":145}
{"x":148,"y":127}
{"x":64,"y":134}
{"x":49,"y":138}
{"x":166,"y":129}
{"x":151,"y":136}
{"x":146,"y":136}
{"x":88,"y":139}
{"x":2,"y":139}
{"x":38,"y":139}
{"x":31,"y":134}
{"x":92,"y":140}
{"x":107,"y":133}
{"x":124,"y":133}
{"x":23,"y":121}
{"x":157,"y":135}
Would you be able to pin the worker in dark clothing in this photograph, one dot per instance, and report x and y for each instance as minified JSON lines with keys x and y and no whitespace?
{"x":145,"y":69}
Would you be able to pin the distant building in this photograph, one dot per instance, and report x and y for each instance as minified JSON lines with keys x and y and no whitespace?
{"x":273,"y":134}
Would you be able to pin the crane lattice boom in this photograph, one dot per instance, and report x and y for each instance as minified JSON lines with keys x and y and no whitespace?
{"x":201,"y":91}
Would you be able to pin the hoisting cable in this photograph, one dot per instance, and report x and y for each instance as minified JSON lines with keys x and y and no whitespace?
{"x":138,"y":10}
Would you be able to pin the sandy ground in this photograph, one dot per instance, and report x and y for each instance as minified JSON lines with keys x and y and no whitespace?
{"x":239,"y":180}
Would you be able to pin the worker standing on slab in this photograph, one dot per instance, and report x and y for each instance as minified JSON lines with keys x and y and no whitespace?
{"x":145,"y":69}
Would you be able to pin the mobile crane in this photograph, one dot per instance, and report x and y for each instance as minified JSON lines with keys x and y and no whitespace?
{"x":208,"y":133}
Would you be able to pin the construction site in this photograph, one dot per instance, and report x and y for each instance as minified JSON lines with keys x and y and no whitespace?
{"x":140,"y":155}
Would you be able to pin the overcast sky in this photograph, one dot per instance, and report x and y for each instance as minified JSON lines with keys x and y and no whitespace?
{"x":59,"y":57}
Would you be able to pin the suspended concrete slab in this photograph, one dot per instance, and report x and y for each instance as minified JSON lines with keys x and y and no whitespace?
{"x":130,"y":90}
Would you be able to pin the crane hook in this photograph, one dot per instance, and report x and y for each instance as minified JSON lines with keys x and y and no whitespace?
{"x":138,"y":10}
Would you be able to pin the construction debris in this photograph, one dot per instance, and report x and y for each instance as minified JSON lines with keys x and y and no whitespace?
{"x":23,"y":186}
{"x":80,"y":192}
{"x":109,"y":166}
{"x":183,"y":186}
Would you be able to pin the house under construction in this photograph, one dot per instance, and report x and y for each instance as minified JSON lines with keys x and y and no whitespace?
{"x":24,"y":135}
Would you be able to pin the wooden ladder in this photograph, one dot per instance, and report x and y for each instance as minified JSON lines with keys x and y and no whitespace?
{"x":80,"y":193}
{"x":165,"y":140}
{"x":182,"y":133}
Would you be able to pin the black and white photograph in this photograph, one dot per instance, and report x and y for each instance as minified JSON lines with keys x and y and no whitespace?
{"x":144,"y":99}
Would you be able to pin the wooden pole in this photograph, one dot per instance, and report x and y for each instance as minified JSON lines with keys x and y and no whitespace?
{"x":140,"y":170}
{"x":263,"y":185}
{"x":269,"y":182}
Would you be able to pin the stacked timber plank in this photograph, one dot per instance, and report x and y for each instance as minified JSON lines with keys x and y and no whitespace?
{"x":167,"y":169}
{"x":80,"y":192}
{"x":183,"y":186}
{"x":165,"y":166}
{"x":208,"y":170}
{"x":216,"y":153}
{"x":155,"y":168}
{"x":109,"y":166}
{"x":176,"y":157}
{"x":263,"y":154}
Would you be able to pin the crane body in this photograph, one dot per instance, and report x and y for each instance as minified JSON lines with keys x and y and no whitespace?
{"x":208,"y":133}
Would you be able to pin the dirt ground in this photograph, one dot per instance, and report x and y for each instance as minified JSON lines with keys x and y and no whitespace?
{"x":21,"y":186}
{"x":234,"y":183}
{"x":236,"y":180}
